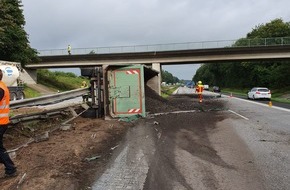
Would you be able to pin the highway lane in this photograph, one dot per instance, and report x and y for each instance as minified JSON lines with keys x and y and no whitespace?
{"x":239,"y":144}
{"x":266,"y":132}
{"x":253,"y":138}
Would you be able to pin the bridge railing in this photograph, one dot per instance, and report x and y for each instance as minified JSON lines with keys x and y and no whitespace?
{"x":243,"y":42}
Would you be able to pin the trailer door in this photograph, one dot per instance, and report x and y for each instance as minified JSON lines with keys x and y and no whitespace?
{"x":126,"y":91}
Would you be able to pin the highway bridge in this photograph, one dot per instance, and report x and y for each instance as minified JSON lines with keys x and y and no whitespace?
{"x":167,"y":54}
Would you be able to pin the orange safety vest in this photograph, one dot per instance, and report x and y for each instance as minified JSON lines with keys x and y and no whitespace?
{"x":4,"y":105}
{"x":199,"y":89}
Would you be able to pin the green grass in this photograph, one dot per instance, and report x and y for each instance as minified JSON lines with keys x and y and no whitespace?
{"x":58,"y":81}
{"x":167,"y":90}
{"x":30,"y":93}
{"x":281,"y":95}
{"x":63,"y":83}
{"x":241,"y":92}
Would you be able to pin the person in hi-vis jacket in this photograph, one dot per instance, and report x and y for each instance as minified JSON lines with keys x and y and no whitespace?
{"x":199,"y":89}
{"x":10,"y":169}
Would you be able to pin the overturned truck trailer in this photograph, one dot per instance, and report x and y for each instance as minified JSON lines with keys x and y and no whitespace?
{"x":119,"y":91}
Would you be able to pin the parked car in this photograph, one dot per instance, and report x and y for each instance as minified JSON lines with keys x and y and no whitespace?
{"x":206,"y":87}
{"x":216,"y":89}
{"x":259,"y":93}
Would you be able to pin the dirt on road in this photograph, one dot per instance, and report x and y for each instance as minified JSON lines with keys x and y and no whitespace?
{"x":183,"y":144}
{"x":73,"y":159}
{"x":67,"y":159}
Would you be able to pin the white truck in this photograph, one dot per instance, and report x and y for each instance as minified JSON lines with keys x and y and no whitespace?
{"x":11,"y":73}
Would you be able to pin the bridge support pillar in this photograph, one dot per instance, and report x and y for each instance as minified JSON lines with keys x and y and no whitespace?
{"x":155,"y":82}
{"x":29,"y":76}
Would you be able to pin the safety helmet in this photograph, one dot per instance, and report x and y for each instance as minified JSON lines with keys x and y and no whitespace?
{"x":199,"y":82}
{"x":84,"y":82}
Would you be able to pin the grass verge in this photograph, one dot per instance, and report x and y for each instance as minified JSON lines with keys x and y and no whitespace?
{"x":31,"y":93}
{"x":167,"y":90}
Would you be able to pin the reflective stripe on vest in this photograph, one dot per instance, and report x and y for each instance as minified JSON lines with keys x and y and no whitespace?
{"x":199,"y":89}
{"x":4,"y":115}
{"x":4,"y":105}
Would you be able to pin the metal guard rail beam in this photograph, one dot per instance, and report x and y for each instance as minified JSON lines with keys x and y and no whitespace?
{"x":48,"y":99}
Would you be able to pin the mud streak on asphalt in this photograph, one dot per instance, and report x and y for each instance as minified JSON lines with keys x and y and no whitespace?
{"x":189,"y":132}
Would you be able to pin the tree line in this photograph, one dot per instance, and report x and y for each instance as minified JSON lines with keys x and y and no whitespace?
{"x":247,"y":74}
{"x":14,"y":43}
{"x":168,"y":77}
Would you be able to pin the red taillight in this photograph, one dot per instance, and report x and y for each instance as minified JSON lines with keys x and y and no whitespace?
{"x":257,"y":92}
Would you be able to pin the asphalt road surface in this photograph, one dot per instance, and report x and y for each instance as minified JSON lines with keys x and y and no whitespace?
{"x":221,"y":143}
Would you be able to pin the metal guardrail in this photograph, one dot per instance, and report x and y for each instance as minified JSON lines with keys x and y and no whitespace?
{"x":171,"y":46}
{"x":48,"y":99}
{"x":33,"y":116}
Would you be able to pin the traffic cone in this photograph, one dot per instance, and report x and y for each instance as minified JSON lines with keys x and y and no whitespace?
{"x":270,"y":104}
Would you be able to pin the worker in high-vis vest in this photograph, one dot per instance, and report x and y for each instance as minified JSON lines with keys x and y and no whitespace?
{"x":10,"y":169}
{"x":85,"y":96}
{"x":69,"y":49}
{"x":199,"y":89}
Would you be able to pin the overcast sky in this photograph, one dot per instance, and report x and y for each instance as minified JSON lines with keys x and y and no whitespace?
{"x":53,"y":24}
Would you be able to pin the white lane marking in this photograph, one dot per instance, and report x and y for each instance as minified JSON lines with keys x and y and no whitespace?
{"x":166,"y":113}
{"x":239,"y":115}
{"x":176,"y":91}
{"x":257,"y":103}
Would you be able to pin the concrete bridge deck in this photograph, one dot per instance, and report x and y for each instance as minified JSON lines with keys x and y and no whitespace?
{"x":165,"y":57}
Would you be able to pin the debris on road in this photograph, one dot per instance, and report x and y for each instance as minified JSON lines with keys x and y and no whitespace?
{"x":92,"y":158}
{"x":21,"y":180}
{"x":114,"y":147}
{"x":130,"y":118}
{"x":65,"y":127}
{"x":42,"y":137}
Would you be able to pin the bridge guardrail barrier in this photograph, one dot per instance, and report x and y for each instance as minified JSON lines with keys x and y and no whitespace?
{"x":243,"y":42}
